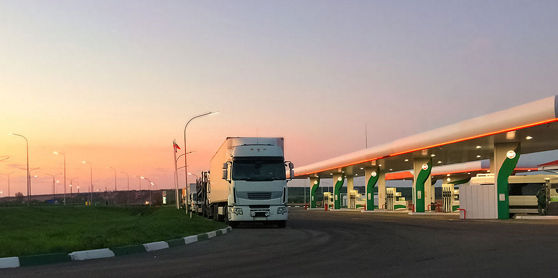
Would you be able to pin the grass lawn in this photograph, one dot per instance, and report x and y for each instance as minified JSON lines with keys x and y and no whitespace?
{"x":46,"y":229}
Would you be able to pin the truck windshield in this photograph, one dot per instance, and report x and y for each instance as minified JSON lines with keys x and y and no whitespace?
{"x":258,"y":169}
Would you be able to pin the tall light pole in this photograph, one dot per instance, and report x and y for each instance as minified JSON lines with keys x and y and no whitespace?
{"x":8,"y":175}
{"x":28,"y":174}
{"x":71,"y":186}
{"x":175,"y":147}
{"x":150,"y":188}
{"x":90,"y":180}
{"x":186,"y":157}
{"x":2,"y":158}
{"x":114,"y":177}
{"x":128,"y":194}
{"x":63,"y":154}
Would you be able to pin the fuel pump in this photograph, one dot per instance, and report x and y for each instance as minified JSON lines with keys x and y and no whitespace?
{"x":448,"y":197}
{"x":390,"y":198}
{"x":352,"y":199}
{"x":328,"y":200}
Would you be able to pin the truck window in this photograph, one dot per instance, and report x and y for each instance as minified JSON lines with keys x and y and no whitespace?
{"x":258,"y":169}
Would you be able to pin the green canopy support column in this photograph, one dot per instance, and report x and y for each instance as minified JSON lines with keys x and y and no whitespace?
{"x":338,"y":180}
{"x":505,"y":159}
{"x":372,"y":176}
{"x":314,"y":185}
{"x":421,"y":183}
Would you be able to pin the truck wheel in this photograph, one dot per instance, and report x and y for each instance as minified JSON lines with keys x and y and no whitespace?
{"x":233,"y":224}
{"x":226,"y":220}
{"x":282,"y":224}
{"x":215,"y":213}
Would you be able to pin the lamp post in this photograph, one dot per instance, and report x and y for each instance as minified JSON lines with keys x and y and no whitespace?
{"x":8,"y":174}
{"x":28,"y":174}
{"x":128,"y":184}
{"x":90,"y":180}
{"x":186,"y":157}
{"x":63,"y":154}
{"x":71,"y":186}
{"x":175,"y":147}
{"x":114,"y":177}
{"x":150,"y":188}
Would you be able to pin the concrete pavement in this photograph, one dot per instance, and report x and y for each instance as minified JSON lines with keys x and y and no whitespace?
{"x":339,"y":244}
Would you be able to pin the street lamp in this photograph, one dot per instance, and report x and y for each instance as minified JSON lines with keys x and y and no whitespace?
{"x":186,"y":155}
{"x":8,"y":176}
{"x":63,"y":154}
{"x":150,"y":188}
{"x":128,"y":194}
{"x":114,"y":177}
{"x":90,"y":180}
{"x":71,"y":184}
{"x":28,"y":175}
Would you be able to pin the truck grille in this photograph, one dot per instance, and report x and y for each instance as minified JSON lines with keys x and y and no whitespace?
{"x":259,"y":195}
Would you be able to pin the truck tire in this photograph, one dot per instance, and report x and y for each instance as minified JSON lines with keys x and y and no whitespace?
{"x":226,"y":217}
{"x":215,"y":213}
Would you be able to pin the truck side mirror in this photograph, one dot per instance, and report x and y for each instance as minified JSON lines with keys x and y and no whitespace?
{"x":225,"y":171}
{"x":291,"y":170}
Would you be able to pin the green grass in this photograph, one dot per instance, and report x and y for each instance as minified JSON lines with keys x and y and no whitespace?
{"x":40,"y":230}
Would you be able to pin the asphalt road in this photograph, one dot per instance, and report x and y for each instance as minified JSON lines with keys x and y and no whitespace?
{"x":343,"y":244}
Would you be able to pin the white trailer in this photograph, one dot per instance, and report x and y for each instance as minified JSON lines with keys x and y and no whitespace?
{"x":247,"y":181}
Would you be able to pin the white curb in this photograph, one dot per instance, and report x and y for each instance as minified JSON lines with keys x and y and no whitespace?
{"x":224,"y":230}
{"x":190,"y":239}
{"x":154,"y":246}
{"x":211,"y":234}
{"x":91,"y":254}
{"x":9,"y":262}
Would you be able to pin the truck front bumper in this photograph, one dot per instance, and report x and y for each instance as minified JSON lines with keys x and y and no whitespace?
{"x":260,"y":213}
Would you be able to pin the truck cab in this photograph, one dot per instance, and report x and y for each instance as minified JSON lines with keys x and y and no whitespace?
{"x":248,"y":181}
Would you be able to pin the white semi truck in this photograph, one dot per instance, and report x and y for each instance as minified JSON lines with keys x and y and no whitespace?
{"x":248,"y":181}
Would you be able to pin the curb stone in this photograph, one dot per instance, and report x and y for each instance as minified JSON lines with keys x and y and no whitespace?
{"x":154,"y":246}
{"x":44,"y":259}
{"x":91,"y":254}
{"x":14,"y":262}
{"x":176,"y":242}
{"x":129,"y":249}
{"x":190,"y":239}
{"x":9,"y":262}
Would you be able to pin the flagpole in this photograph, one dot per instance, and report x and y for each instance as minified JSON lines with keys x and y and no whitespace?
{"x":175,"y":174}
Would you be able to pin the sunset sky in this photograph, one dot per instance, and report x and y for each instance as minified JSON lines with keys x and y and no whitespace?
{"x":113,"y":82}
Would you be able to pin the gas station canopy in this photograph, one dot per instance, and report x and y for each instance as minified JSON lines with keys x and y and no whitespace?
{"x":533,"y":125}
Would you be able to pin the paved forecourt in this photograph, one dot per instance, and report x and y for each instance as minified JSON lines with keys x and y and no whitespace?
{"x":326,"y":244}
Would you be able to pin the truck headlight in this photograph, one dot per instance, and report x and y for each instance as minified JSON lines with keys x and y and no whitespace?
{"x":281,"y":210}
{"x":237,"y":211}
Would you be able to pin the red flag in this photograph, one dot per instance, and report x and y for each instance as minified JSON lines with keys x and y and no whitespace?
{"x":175,"y":146}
